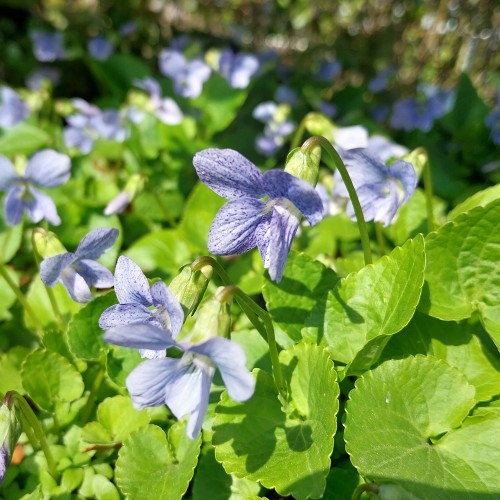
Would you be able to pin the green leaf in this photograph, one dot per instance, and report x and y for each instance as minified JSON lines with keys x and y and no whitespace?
{"x":163,"y":250}
{"x":119,"y":419}
{"x":211,"y":477}
{"x":152,"y":465}
{"x":7,"y":296}
{"x":120,"y":362}
{"x":366,"y":307}
{"x":456,"y":343}
{"x":104,"y":489}
{"x":479,"y":199}
{"x":10,"y":241}
{"x":10,"y":369}
{"x":84,"y":334}
{"x":286,"y":451}
{"x":199,"y":212}
{"x":304,"y":285}
{"x":49,"y":378}
{"x":23,"y":139}
{"x":462,"y":273}
{"x":418,"y":434}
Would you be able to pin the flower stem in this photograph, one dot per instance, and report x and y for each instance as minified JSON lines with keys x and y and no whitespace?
{"x":50,"y":292}
{"x":365,"y":487}
{"x":380,"y":238}
{"x":87,"y":409}
{"x":258,"y":316}
{"x":317,"y":140}
{"x":428,"y":196}
{"x":297,"y":137}
{"x":36,"y":427}
{"x":20,"y":296}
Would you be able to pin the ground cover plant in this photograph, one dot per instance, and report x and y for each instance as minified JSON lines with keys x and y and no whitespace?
{"x":229,"y":272}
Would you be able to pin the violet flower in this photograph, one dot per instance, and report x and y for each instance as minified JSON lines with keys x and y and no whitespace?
{"x":100,"y":48}
{"x":238,"y":69}
{"x":246,"y":220}
{"x":47,"y":169}
{"x":140,"y":303}
{"x":48,"y":47}
{"x":13,"y":110}
{"x":381,"y":189}
{"x":79,"y":271}
{"x":183,"y":384}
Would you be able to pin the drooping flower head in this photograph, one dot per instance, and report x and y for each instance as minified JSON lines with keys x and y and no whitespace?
{"x":140,"y":303}
{"x":247,"y":220}
{"x":188,"y":76}
{"x":46,"y":169}
{"x":13,"y":109}
{"x":79,"y":271}
{"x":381,"y":189}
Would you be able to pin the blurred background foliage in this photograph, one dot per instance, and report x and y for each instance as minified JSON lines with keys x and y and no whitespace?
{"x":433,"y":41}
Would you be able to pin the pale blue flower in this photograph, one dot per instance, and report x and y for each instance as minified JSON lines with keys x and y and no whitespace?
{"x":79,"y":271}
{"x":355,"y":136}
{"x":183,"y":384}
{"x":37,"y":78}
{"x":246,"y":220}
{"x":13,"y":110}
{"x":118,"y":204}
{"x":287,"y":95}
{"x":47,"y":169}
{"x":381,"y":189}
{"x":238,"y":69}
{"x":328,"y":71}
{"x":140,"y":303}
{"x":188,"y":76}
{"x":384,"y":148}
{"x":381,"y":79}
{"x":100,"y":48}
{"x":48,"y":47}
{"x":165,"y":109}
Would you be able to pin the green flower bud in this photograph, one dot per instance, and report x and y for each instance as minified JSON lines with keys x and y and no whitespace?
{"x":134,"y":185}
{"x":189,"y":287}
{"x":10,"y":430}
{"x":318,"y":124}
{"x":304,"y":165}
{"x":46,"y":243}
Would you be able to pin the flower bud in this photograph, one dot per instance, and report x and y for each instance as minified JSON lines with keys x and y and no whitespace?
{"x":46,"y":243}
{"x":318,"y":124}
{"x":189,"y":287}
{"x":10,"y":430}
{"x":418,"y":158}
{"x":304,"y":165}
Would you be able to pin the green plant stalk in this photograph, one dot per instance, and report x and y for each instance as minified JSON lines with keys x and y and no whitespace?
{"x":315,"y":141}
{"x":428,"y":197}
{"x":258,"y":316}
{"x":297,"y":137}
{"x":380,"y":238}
{"x":50,"y":292}
{"x":362,"y":488}
{"x":20,"y":296}
{"x":87,"y":409}
{"x":36,"y":427}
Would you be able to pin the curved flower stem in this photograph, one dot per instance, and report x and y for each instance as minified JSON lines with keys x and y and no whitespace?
{"x":368,"y":487}
{"x":35,"y":427}
{"x":20,"y":296}
{"x":258,"y":316}
{"x":317,"y":140}
{"x":50,"y":292}
{"x":428,"y":196}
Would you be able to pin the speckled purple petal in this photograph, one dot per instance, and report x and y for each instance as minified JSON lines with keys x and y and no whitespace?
{"x":95,"y":243}
{"x":234,"y":226}
{"x":131,"y":285}
{"x":139,"y":336}
{"x":123,"y":314}
{"x":228,"y":173}
{"x":94,"y":274}
{"x":162,"y":296}
{"x":52,"y":267}
{"x":76,"y":286}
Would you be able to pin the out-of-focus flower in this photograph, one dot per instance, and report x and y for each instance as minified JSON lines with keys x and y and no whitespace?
{"x":381,"y":79}
{"x":13,"y":110}
{"x":493,"y":123}
{"x":118,"y":204}
{"x":48,"y":169}
{"x":277,"y":128}
{"x":286,"y":95}
{"x":110,"y":125}
{"x":188,"y":76}
{"x":327,"y":108}
{"x":165,"y":109}
{"x":384,"y":148}
{"x":381,"y":190}
{"x":238,"y":69}
{"x":48,"y":47}
{"x":246,"y":221}
{"x":182,"y":384}
{"x":40,"y":76}
{"x":100,"y":48}
{"x":355,"y":136}
{"x":127,"y":29}
{"x":137,"y":298}
{"x":328,"y":71}
{"x":79,"y":271}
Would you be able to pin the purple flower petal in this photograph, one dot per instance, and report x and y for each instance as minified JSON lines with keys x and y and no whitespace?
{"x":95,"y":243}
{"x":47,"y":168}
{"x":131,"y":285}
{"x":230,"y":360}
{"x":171,"y":62}
{"x":265,"y":111}
{"x":162,"y":296}
{"x":169,"y":112}
{"x":276,"y":242}
{"x":13,"y":205}
{"x":233,"y":229}
{"x":118,"y":204}
{"x":75,"y":285}
{"x":40,"y":206}
{"x":228,"y":173}
{"x":146,"y":383}
{"x":139,"y":336}
{"x":123,"y":314}
{"x":94,"y":274}
{"x":7,"y":173}
{"x":280,"y":184}
{"x":405,"y":173}
{"x":52,"y":267}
